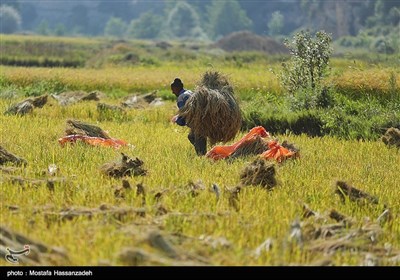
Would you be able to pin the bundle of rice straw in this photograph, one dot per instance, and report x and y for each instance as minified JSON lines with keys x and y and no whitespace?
{"x":392,"y":137}
{"x":252,"y":146}
{"x":259,"y":172}
{"x":75,"y":127}
{"x":212,"y":111}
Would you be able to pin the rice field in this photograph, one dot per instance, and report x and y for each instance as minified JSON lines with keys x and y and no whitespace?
{"x":198,"y":224}
{"x":174,"y":215}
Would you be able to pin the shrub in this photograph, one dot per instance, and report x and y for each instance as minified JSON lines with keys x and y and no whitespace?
{"x":10,"y":20}
{"x":309,"y":60}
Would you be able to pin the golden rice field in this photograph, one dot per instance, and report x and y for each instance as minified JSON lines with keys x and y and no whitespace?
{"x":140,"y":78}
{"x":200,"y":229}
{"x":144,"y":78}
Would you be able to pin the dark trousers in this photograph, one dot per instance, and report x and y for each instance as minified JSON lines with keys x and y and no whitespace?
{"x":199,"y":143}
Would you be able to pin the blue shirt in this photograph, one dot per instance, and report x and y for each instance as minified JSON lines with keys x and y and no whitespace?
{"x":183,"y":96}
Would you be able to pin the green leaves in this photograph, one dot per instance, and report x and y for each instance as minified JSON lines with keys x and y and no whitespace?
{"x":310,"y":58}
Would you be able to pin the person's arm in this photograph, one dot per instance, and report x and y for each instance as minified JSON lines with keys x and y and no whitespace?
{"x":180,"y":120}
{"x":182,"y":101}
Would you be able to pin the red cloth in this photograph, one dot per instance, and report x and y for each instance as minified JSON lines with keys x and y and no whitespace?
{"x":94,"y":141}
{"x":220,"y":152}
{"x":277,"y":152}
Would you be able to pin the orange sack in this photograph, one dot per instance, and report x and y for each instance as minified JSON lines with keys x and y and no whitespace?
{"x":221,"y":152}
{"x":93,"y":141}
{"x":277,"y":152}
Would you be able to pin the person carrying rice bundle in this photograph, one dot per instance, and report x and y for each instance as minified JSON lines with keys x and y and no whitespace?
{"x":182,"y":94}
{"x":211,"y":111}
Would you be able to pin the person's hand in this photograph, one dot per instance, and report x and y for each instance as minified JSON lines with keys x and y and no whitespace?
{"x":174,"y":118}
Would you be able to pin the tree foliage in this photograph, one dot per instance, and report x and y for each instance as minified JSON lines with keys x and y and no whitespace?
{"x":115,"y":27}
{"x":275,"y":25}
{"x":183,"y":22}
{"x":43,"y":28}
{"x":226,"y":17}
{"x":10,"y":20}
{"x":309,"y":59}
{"x":79,"y":18}
{"x":147,"y":26}
{"x":116,"y":9}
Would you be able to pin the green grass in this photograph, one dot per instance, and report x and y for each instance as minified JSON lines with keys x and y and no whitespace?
{"x":47,"y":51}
{"x":139,"y":78}
{"x":172,"y":163}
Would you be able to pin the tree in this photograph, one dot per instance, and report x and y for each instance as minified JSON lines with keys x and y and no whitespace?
{"x":183,"y":22}
{"x":115,"y":27}
{"x":12,"y":3}
{"x":10,"y":20}
{"x":309,"y":59}
{"x":275,"y":25}
{"x":78,"y":18}
{"x":226,"y":17}
{"x":59,"y":30}
{"x":394,"y":16}
{"x":147,"y":26}
{"x":29,"y":14}
{"x":43,"y":28}
{"x":117,"y":9}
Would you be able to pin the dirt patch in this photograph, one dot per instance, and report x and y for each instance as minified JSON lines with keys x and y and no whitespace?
{"x":247,"y":41}
{"x":124,"y":167}
{"x":392,"y":137}
{"x":259,"y":173}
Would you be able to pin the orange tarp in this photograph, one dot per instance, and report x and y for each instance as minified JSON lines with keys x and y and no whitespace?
{"x":275,"y":151}
{"x":94,"y":141}
{"x":220,"y":152}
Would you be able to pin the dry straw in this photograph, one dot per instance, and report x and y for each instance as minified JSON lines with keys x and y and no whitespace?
{"x":259,"y":172}
{"x":75,"y":127}
{"x":212,"y":111}
{"x":253,"y":146}
{"x":392,"y":137}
